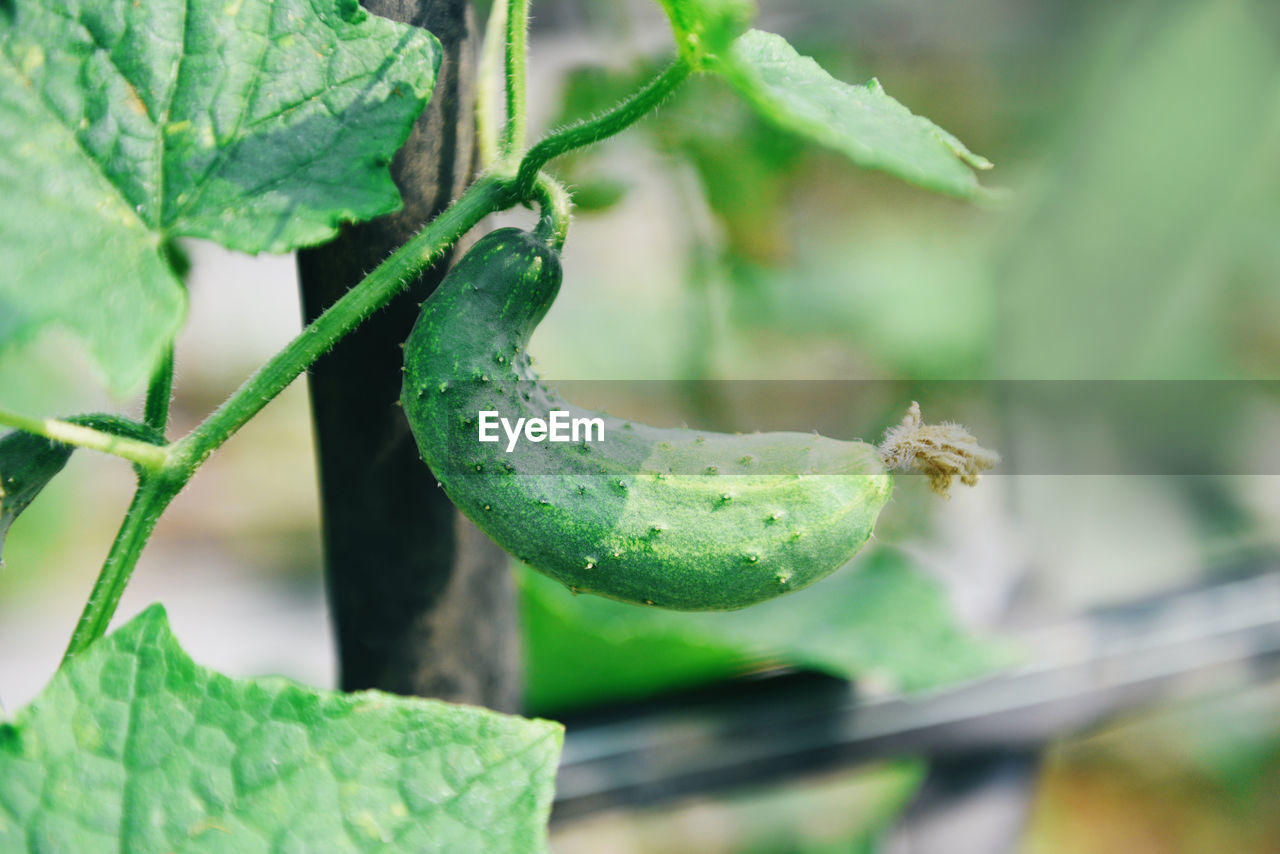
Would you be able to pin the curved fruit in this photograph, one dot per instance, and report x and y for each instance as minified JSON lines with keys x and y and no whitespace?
{"x":667,"y":517}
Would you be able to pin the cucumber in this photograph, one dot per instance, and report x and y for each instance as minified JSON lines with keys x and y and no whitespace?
{"x":673,"y":518}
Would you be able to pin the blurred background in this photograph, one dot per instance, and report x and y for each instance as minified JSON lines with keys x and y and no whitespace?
{"x":1135,"y":238}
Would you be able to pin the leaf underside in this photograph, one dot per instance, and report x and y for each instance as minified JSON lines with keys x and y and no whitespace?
{"x":861,"y":122}
{"x":27,"y":464}
{"x":134,"y":748}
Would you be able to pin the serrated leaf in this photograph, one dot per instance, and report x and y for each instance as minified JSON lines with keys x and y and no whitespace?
{"x":877,"y":618}
{"x":259,"y":124}
{"x":705,"y":28}
{"x":134,"y":748}
{"x":27,"y":464}
{"x":862,"y":122}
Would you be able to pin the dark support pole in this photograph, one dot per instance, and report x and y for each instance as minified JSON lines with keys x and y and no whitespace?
{"x":421,"y":602}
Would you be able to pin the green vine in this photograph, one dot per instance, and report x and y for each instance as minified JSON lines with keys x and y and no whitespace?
{"x":159,"y":390}
{"x":94,"y":432}
{"x":492,"y":59}
{"x":513,"y":137}
{"x":594,"y":130}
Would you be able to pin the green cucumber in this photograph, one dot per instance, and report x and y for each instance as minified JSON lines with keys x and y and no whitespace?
{"x":667,"y":517}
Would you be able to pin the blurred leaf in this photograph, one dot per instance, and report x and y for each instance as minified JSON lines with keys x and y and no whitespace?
{"x":745,"y":163}
{"x":597,"y":193}
{"x":1121,"y":266}
{"x":877,"y":618}
{"x":706,"y":28}
{"x":910,"y":300}
{"x":848,"y":813}
{"x":27,"y":464}
{"x":261,"y":125}
{"x":134,"y":748}
{"x":589,"y":90}
{"x":862,"y":122}
{"x":573,"y":662}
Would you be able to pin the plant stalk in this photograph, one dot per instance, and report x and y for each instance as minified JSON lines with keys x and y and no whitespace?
{"x":491,"y":64}
{"x":150,"y":457}
{"x":159,"y":392}
{"x":151,"y":498}
{"x":556,"y":211}
{"x":604,"y":126}
{"x":517,"y":19}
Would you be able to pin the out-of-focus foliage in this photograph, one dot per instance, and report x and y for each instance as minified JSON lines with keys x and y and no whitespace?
{"x":1137,"y":250}
{"x":878,"y":619}
{"x":1194,"y":778}
{"x":846,"y":812}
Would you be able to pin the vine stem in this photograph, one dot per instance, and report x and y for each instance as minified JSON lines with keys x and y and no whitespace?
{"x":513,"y":135}
{"x":557,"y":211}
{"x":150,"y":457}
{"x":491,"y":60}
{"x":159,"y":391}
{"x":601,"y":127}
{"x":151,"y":498}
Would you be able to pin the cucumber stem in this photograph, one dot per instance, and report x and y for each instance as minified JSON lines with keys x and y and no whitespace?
{"x":556,"y":209}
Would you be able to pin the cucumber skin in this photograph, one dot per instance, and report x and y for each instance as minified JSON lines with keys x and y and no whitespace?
{"x":624,"y":519}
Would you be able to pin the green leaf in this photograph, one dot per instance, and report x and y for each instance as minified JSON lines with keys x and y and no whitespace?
{"x":877,"y":618}
{"x":572,"y":661}
{"x":261,"y":125}
{"x":27,"y":464}
{"x":133,"y":748}
{"x":862,"y":122}
{"x":706,"y":28}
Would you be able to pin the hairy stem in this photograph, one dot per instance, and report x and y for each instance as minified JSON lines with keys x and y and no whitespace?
{"x":159,"y":390}
{"x":517,"y":70}
{"x":590,"y":131}
{"x":153,"y":495}
{"x":387,"y":280}
{"x":488,"y":115}
{"x":557,"y":209}
{"x":93,"y":432}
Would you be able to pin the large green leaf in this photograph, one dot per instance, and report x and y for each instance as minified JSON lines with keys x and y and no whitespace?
{"x":261,"y":124}
{"x":705,"y":28}
{"x":862,"y":122}
{"x":878,"y":618}
{"x":133,"y":748}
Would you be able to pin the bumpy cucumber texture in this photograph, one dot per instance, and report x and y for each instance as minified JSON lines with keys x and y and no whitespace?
{"x":667,"y":517}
